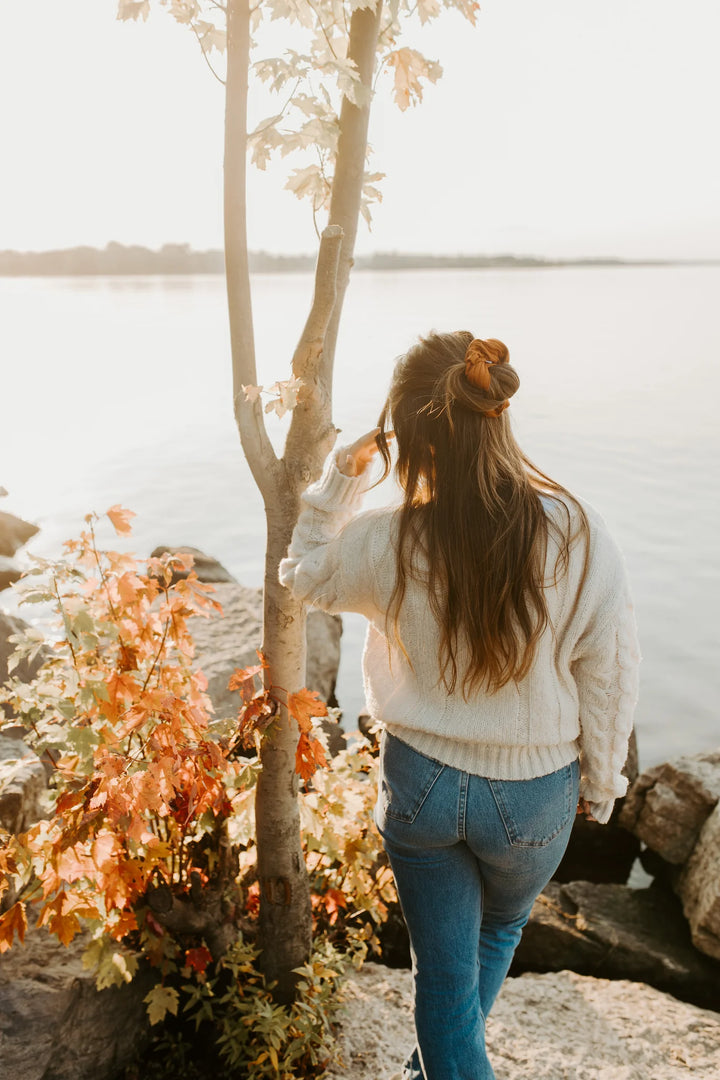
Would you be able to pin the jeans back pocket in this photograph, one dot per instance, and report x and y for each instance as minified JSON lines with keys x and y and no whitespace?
{"x":535,"y":811}
{"x":406,"y":779}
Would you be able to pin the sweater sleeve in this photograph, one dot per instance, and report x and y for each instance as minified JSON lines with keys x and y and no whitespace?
{"x":605,"y":669}
{"x":329,"y":562}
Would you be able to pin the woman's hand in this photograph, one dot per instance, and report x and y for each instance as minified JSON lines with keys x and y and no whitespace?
{"x":584,"y":808}
{"x":358,"y":456}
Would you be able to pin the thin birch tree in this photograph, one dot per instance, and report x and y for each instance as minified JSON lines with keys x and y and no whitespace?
{"x":325,"y":83}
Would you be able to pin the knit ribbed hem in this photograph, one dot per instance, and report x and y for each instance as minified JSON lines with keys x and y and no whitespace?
{"x":482,"y":759}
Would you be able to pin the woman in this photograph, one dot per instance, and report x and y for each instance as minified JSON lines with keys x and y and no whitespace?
{"x":500,"y":658}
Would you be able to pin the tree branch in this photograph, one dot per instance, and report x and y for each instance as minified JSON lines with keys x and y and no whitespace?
{"x":311,"y":433}
{"x":350,"y":164}
{"x":261,"y":457}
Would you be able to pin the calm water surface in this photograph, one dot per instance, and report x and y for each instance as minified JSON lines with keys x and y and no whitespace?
{"x":118,"y":390}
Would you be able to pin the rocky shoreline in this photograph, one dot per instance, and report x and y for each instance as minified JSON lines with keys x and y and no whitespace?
{"x":610,"y":981}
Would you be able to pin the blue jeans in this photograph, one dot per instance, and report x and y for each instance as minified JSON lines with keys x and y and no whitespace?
{"x":470,"y":856}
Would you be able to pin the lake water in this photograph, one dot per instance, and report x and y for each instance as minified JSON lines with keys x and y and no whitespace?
{"x":118,"y":390}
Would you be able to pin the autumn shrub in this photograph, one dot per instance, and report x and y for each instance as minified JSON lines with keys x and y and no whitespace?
{"x":148,"y":845}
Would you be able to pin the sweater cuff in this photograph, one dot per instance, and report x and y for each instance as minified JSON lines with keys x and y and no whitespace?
{"x":335,"y":488}
{"x":601,"y":811}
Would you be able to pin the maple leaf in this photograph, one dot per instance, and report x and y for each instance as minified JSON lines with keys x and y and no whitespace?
{"x":12,"y":922}
{"x":256,"y":715}
{"x":125,"y":924}
{"x":304,"y":705}
{"x":333,"y":900}
{"x":61,"y":916}
{"x":160,"y":1001}
{"x":252,"y":393}
{"x":130,"y":586}
{"x":243,"y":679}
{"x":211,"y":36}
{"x":120,"y":518}
{"x":198,"y":959}
{"x":309,"y":756}
{"x":133,"y":9}
{"x":410,"y":67}
{"x":428,"y":9}
{"x":289,"y":390}
{"x":310,"y":183}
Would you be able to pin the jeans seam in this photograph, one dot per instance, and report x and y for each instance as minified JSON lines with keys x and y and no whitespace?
{"x":511,"y":839}
{"x":462,"y":806}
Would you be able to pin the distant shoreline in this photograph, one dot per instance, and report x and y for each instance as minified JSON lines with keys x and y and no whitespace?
{"x":178,"y":259}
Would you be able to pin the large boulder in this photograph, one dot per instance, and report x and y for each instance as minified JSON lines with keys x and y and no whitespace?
{"x":22,"y":785}
{"x":559,"y":1026}
{"x":602,"y":853}
{"x":618,"y":933}
{"x":668,"y":805}
{"x":14,"y":533}
{"x":229,"y":642}
{"x":698,"y":886}
{"x":54,"y":1024}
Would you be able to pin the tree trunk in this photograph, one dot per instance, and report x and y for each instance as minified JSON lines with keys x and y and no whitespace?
{"x":350,"y":163}
{"x":285,"y":914}
{"x":285,"y":917}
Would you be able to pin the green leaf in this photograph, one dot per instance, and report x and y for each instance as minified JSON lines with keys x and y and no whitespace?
{"x":160,"y":1001}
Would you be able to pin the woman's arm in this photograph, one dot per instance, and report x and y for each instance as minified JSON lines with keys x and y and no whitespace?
{"x":330,"y":559}
{"x":605,"y":669}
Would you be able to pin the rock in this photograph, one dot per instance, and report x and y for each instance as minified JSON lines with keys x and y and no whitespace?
{"x":22,"y":785}
{"x":10,"y":572}
{"x":54,"y":1024}
{"x":558,"y":1026}
{"x":699,"y":889}
{"x":602,"y":853}
{"x":14,"y":533}
{"x":224,"y":644}
{"x":10,"y":625}
{"x":668,"y":805}
{"x":205,"y":566}
{"x":618,"y":933}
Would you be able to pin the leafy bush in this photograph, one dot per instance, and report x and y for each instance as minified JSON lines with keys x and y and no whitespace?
{"x":149,"y":842}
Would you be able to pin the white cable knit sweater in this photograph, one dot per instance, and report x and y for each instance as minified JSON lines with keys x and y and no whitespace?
{"x":578,"y":698}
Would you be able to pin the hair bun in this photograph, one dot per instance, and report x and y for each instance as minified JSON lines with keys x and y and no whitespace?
{"x":480,"y":356}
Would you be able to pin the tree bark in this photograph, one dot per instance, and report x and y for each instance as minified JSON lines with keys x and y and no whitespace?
{"x":350,"y":163}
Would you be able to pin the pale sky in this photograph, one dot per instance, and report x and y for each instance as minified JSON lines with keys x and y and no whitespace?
{"x":564,"y":127}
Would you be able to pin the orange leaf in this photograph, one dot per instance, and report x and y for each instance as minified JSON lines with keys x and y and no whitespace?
{"x":198,"y":959}
{"x":124,"y":925}
{"x":255,"y":716}
{"x":12,"y":922}
{"x":243,"y":679}
{"x":65,"y":927}
{"x":120,"y":518}
{"x":333,"y":901}
{"x":129,"y":584}
{"x":309,"y":756}
{"x":304,"y":705}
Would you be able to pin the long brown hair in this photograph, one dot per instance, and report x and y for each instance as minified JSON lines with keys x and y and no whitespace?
{"x":472,"y":526}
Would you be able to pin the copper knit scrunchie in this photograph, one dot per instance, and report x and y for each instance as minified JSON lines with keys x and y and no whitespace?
{"x":479,"y":356}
